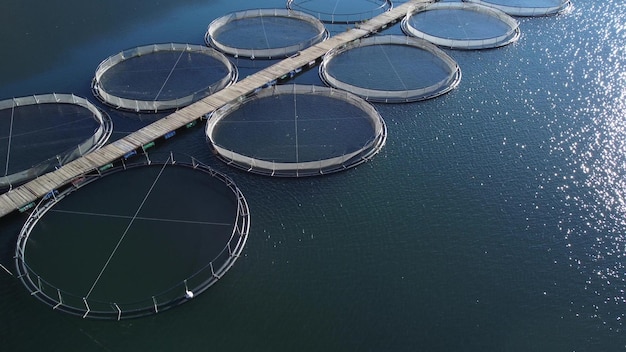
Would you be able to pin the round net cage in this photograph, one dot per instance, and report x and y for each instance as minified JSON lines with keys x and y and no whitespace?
{"x":390,"y":69}
{"x":134,"y":240}
{"x":161,"y":76}
{"x":462,"y":26}
{"x":527,"y":8}
{"x":295,"y":131}
{"x":42,"y":132}
{"x":264,"y":33}
{"x":341,"y":11}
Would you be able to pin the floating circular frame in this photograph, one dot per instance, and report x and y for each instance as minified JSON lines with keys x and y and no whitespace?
{"x":38,"y":167}
{"x":235,"y":34}
{"x":471,"y":42}
{"x":527,"y":8}
{"x":341,"y":11}
{"x":171,"y":86}
{"x":406,"y":74}
{"x":324,"y":130}
{"x":160,"y":256}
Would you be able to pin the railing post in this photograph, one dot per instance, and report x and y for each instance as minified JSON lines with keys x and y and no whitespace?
{"x":86,"y":305}
{"x":119,"y":311}
{"x":60,"y":299}
{"x":38,"y":286}
{"x":213,"y":271}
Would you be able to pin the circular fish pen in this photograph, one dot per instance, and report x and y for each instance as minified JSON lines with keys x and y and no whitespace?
{"x":390,"y":69}
{"x":264,"y":33}
{"x":462,"y":26}
{"x":295,"y":131}
{"x":134,"y":240}
{"x":42,"y":132}
{"x":341,"y":11}
{"x":527,"y":8}
{"x":159,"y":77}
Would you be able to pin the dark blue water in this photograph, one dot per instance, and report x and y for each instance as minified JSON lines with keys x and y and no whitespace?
{"x":493,"y":219}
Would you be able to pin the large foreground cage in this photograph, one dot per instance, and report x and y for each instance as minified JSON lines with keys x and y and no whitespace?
{"x":527,"y":8}
{"x":341,"y":11}
{"x":264,"y":33}
{"x":160,"y":77}
{"x":43,"y":132}
{"x":143,"y":236}
{"x":295,"y":131}
{"x":390,"y":69}
{"x":462,"y":26}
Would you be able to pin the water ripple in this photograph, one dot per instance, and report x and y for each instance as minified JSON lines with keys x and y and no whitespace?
{"x":588,"y":96}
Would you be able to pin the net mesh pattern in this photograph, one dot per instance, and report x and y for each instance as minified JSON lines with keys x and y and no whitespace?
{"x":462,"y":26}
{"x":265,"y":33}
{"x":391,"y":69}
{"x":528,"y":8}
{"x":295,"y":131}
{"x":341,"y":11}
{"x":159,"y":77}
{"x":140,"y":257}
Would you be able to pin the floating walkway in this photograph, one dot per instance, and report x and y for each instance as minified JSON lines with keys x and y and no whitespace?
{"x":24,"y":196}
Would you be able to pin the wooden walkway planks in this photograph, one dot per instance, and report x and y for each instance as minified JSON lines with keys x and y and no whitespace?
{"x":37,"y":188}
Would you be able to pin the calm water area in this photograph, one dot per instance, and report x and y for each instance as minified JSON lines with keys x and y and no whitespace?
{"x":494,"y":219}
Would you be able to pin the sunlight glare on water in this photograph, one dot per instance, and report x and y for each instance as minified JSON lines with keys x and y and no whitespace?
{"x":593,"y":143}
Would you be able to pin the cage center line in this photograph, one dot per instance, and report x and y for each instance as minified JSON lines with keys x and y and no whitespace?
{"x":169,"y":75}
{"x":6,"y":169}
{"x":126,"y":231}
{"x":141,"y":218}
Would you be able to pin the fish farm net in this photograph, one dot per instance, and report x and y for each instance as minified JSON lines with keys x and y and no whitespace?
{"x":462,"y":26}
{"x":527,"y":8}
{"x":134,"y":240}
{"x":160,"y":77}
{"x":42,"y":132}
{"x":264,"y":33}
{"x":295,"y":131}
{"x":390,"y":69}
{"x":341,"y":11}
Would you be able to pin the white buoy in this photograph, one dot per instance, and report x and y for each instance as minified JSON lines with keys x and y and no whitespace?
{"x":188,"y":294}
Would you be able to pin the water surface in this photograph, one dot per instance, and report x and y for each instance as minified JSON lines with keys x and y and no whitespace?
{"x":493,"y":219}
